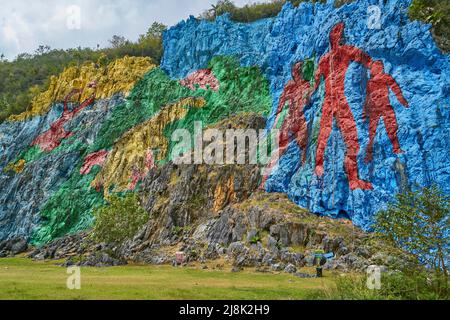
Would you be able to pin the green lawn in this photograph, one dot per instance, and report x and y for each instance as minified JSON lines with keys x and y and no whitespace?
{"x":21,"y":278}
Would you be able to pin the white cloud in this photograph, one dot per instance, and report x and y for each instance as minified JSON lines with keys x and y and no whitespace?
{"x":26,"y":24}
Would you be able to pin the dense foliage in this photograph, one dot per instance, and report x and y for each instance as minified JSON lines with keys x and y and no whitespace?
{"x":415,"y":228}
{"x":250,"y":12}
{"x":29,"y":74}
{"x":120,"y":220}
{"x":394,"y":286}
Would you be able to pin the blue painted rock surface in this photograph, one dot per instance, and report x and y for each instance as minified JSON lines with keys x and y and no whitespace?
{"x":410,"y":56}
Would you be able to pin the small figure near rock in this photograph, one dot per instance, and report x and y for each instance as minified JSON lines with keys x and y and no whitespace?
{"x":180,"y":259}
{"x":320,"y":259}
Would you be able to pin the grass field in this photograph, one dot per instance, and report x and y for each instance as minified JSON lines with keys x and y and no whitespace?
{"x":21,"y":278}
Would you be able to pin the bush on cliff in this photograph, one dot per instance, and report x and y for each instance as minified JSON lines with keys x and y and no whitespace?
{"x":255,"y":11}
{"x":120,"y":220}
{"x":418,"y":222}
{"x":250,"y":12}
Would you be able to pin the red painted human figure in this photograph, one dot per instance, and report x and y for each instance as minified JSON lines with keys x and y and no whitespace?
{"x":378,"y":106}
{"x":52,"y":138}
{"x":333,"y":66}
{"x":297,"y":93}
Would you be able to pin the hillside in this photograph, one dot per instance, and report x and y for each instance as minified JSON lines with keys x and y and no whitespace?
{"x":316,"y":71}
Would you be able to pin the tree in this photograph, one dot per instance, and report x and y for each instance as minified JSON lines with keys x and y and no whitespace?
{"x":418,"y":222}
{"x":150,"y":44}
{"x":221,"y":7}
{"x":42,"y":50}
{"x":436,"y":12}
{"x":156,"y":30}
{"x":118,"y":41}
{"x":120,"y":220}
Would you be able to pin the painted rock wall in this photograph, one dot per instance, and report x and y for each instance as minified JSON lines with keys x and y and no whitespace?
{"x":119,"y":76}
{"x":42,"y":150}
{"x":24,"y":193}
{"x":58,"y":163}
{"x":374,"y":102}
{"x":56,"y":168}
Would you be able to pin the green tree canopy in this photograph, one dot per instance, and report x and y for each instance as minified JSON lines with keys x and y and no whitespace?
{"x":418,"y":222}
{"x":120,"y":220}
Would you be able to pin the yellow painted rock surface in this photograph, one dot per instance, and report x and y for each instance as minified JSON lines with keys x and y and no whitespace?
{"x":118,"y":76}
{"x":17,"y":167}
{"x":130,"y":151}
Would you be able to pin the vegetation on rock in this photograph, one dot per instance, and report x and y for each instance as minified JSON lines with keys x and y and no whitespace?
{"x":249,"y":12}
{"x":119,"y":220}
{"x":417,"y":224}
{"x":436,"y":12}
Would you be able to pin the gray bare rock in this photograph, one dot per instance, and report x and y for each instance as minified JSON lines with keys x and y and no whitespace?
{"x":290,"y":268}
{"x":278,"y":267}
{"x":13,"y":247}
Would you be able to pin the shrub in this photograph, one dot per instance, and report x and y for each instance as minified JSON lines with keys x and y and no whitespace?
{"x":418,"y":223}
{"x":120,"y":220}
{"x":255,"y":239}
{"x":255,"y":11}
{"x":394,"y":286}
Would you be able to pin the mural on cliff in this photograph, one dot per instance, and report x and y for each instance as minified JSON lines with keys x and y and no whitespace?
{"x":339,"y":78}
{"x":42,"y":148}
{"x":51,"y":139}
{"x":58,"y":166}
{"x":364,"y":114}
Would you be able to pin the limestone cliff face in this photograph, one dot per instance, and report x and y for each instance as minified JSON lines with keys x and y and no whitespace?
{"x":181,"y":196}
{"x":57,"y":167}
{"x":32,"y":175}
{"x":135,"y":153}
{"x":367,"y":109}
{"x":381,"y":92}
{"x":25,"y":192}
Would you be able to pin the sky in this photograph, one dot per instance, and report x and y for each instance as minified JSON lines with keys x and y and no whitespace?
{"x":26,"y":24}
